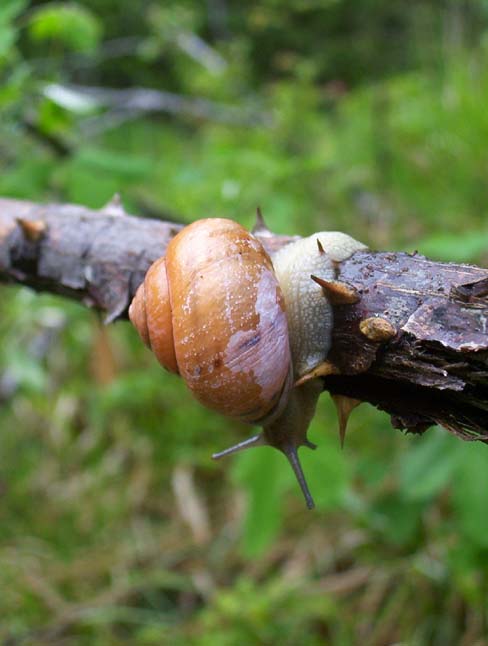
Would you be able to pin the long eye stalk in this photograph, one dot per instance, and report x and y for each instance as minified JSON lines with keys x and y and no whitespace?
{"x":291,"y":453}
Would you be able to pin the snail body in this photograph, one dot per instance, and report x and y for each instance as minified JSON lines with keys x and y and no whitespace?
{"x":309,"y":310}
{"x":242,"y":330}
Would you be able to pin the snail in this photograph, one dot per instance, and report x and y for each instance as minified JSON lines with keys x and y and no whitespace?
{"x":249,"y":336}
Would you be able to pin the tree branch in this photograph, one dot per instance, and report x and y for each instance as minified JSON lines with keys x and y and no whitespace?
{"x":135,"y":101}
{"x":414,"y":345}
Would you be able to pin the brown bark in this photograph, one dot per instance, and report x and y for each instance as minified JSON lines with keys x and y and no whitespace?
{"x":415,"y":344}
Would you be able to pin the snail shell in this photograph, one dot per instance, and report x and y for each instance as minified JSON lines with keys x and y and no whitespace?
{"x":212,"y":310}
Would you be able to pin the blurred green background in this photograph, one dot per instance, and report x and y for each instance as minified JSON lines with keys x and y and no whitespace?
{"x":115,"y":526}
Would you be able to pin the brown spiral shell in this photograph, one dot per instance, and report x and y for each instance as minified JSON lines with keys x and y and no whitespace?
{"x":212,"y":310}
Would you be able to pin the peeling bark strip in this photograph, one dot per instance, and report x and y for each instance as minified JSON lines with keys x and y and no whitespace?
{"x":97,"y":257}
{"x":424,"y":361}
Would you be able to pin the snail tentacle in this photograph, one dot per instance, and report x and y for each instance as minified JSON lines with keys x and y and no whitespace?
{"x":255,"y":440}
{"x":291,"y":453}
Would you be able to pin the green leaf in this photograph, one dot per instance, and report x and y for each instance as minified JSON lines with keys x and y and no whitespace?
{"x":394,"y":518}
{"x":27,"y":372}
{"x":108,"y":161}
{"x":426,"y":468}
{"x":10,"y":9}
{"x":74,"y":26}
{"x":7,"y":39}
{"x":326,"y":472}
{"x":465,"y":247}
{"x":262,"y":472}
{"x":470,"y":496}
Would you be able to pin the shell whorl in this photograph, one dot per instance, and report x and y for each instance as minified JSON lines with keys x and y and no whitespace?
{"x":150,"y":313}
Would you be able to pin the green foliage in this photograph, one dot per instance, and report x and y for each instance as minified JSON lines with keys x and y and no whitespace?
{"x":250,"y":612}
{"x":371,"y":118}
{"x":8,"y":33}
{"x":471,"y":494}
{"x":463,"y":247}
{"x":427,"y":468}
{"x":72,"y":25}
